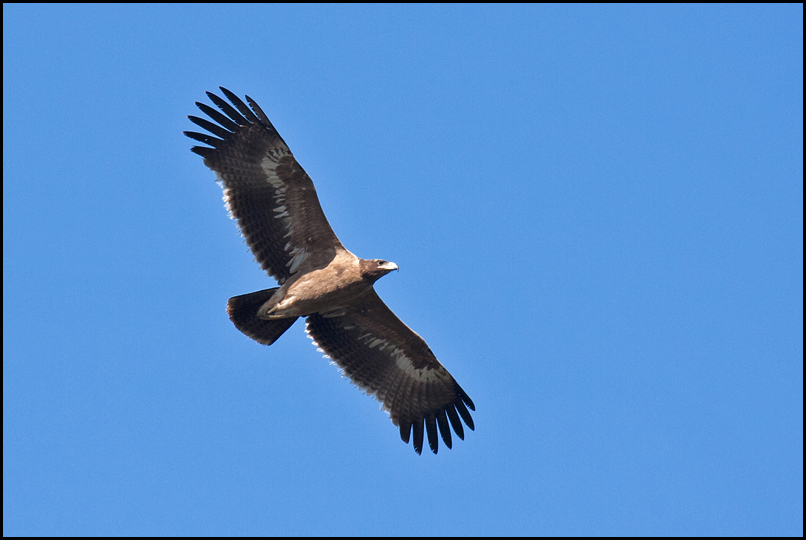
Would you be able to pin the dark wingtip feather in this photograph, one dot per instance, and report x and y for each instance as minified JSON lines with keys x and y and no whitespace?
{"x":218,"y":117}
{"x":240,"y":105}
{"x":463,"y":412}
{"x":444,"y":430}
{"x":228,"y":109}
{"x":203,"y":151}
{"x":431,"y":430}
{"x":405,"y":432}
{"x":466,"y":398}
{"x":258,"y":111}
{"x":418,"y":436}
{"x":202,"y":137}
{"x":215,"y":129}
{"x":455,"y":422}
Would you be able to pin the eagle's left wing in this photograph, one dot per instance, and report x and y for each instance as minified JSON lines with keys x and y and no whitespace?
{"x":387,"y":359}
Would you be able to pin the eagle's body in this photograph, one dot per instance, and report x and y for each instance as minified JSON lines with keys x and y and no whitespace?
{"x":323,"y":288}
{"x":275,"y":204}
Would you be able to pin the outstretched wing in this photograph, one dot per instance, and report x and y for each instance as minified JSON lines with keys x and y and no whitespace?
{"x":266,"y":190}
{"x":387,"y":359}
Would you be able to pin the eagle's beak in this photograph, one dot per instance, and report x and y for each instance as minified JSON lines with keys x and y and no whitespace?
{"x":389,"y":266}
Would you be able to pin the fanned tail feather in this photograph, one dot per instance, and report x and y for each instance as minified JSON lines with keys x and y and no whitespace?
{"x":242,"y":312}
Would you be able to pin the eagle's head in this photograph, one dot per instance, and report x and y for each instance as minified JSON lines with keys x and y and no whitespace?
{"x":374,"y":269}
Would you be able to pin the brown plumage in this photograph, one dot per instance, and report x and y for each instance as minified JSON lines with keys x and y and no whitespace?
{"x":276,"y":207}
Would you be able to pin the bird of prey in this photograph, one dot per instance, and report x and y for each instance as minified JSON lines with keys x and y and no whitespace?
{"x":275,"y":204}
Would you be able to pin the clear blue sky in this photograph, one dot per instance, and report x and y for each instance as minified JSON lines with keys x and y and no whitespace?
{"x":598,"y":216}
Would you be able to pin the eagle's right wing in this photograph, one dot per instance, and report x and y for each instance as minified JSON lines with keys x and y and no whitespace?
{"x":388,"y":360}
{"x":266,"y":190}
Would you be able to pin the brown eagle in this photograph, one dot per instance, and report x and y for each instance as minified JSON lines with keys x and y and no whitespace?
{"x":278,"y":212}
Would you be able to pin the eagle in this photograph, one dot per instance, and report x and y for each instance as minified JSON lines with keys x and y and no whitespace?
{"x":278,"y":212}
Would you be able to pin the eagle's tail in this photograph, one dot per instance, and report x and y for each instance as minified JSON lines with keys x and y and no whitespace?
{"x":242,"y":312}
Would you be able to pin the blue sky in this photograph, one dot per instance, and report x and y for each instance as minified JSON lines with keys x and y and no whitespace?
{"x":598,"y":216}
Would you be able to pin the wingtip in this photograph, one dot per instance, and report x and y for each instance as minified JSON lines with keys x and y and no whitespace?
{"x":230,"y":95}
{"x":202,"y":151}
{"x":418,"y":437}
{"x":465,"y":414}
{"x":431,"y":431}
{"x":466,"y":398}
{"x":405,"y":432}
{"x":444,"y":430}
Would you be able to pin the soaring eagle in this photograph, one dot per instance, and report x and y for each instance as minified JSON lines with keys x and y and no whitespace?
{"x":276,"y":207}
